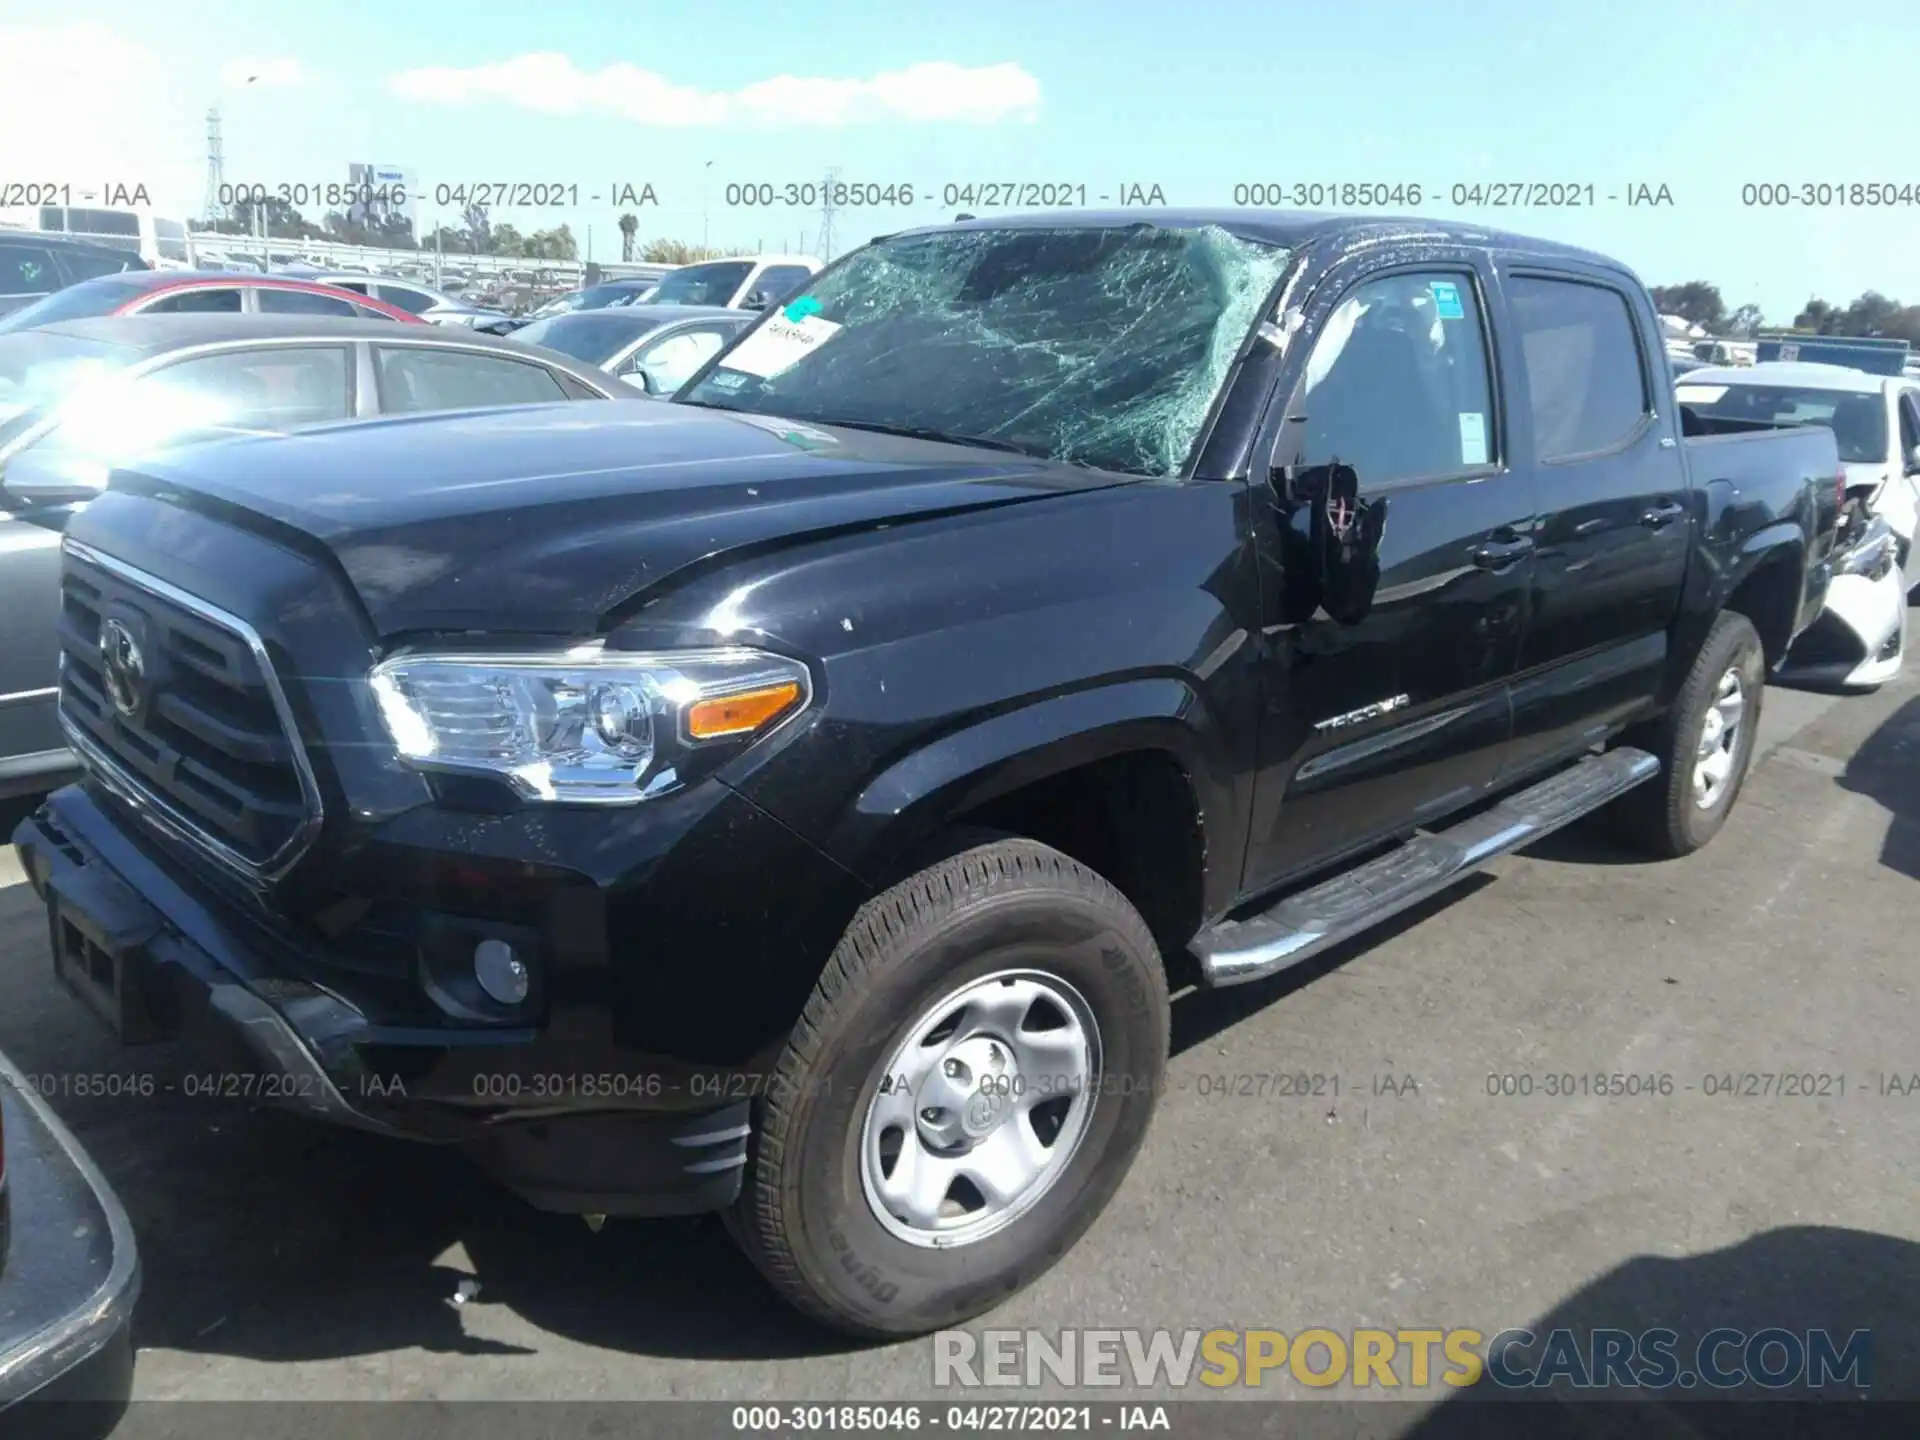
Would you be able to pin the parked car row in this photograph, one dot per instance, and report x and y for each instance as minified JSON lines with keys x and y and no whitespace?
{"x":80,"y":396}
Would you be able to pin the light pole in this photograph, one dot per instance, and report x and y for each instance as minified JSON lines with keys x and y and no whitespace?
{"x":706,"y":201}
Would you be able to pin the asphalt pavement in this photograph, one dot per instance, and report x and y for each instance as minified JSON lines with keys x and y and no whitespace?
{"x":290,"y":1260}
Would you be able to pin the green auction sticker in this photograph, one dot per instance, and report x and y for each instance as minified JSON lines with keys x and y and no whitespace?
{"x":803,"y":307}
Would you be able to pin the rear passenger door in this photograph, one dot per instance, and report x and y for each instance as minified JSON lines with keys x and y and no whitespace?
{"x":1395,"y":542}
{"x":1615,"y":515}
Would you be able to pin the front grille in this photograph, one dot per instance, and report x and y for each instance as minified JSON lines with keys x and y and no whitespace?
{"x":180,"y":705}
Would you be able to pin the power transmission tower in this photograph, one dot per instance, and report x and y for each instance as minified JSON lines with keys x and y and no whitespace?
{"x":216,"y":170}
{"x":827,"y":211}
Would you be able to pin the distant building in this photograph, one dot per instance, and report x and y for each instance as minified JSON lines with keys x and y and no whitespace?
{"x":383,"y":195}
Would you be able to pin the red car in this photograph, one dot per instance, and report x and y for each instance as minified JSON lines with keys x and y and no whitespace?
{"x":174,"y":292}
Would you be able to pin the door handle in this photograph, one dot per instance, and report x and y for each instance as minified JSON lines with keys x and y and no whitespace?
{"x":1498,"y":554}
{"x":1664,"y":513}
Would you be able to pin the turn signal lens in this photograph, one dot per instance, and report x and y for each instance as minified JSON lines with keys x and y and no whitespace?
{"x":740,"y":714}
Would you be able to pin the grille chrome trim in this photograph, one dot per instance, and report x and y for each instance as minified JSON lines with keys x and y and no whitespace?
{"x":165,"y":815}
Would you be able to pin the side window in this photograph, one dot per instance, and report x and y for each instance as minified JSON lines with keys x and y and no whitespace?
{"x":359,"y":287}
{"x":415,"y":378}
{"x":88,"y":264}
{"x":782,"y":282}
{"x":27,"y":270}
{"x":410,"y":300}
{"x":367,"y":312}
{"x":1909,"y":424}
{"x":303,"y":302}
{"x":1398,"y":385}
{"x":1587,"y":384}
{"x":209,"y":300}
{"x":266,"y":389}
{"x":669,"y":363}
{"x":292,"y":385}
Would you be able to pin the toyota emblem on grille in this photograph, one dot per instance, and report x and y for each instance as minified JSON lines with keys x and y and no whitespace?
{"x":123,"y":667}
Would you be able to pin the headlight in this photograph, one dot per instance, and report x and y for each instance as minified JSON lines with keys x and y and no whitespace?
{"x":1872,"y":554}
{"x":589,"y":725}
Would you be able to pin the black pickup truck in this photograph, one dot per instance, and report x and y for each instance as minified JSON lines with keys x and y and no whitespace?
{"x":798,"y":800}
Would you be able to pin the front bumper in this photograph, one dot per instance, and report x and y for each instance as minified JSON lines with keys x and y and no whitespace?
{"x":1859,"y":639}
{"x":71,"y":1279}
{"x":548,"y":1114}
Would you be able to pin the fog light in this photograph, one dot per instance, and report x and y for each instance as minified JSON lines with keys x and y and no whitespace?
{"x":501,"y":972}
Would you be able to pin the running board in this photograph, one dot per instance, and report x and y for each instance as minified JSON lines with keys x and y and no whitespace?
{"x":1301,"y":926}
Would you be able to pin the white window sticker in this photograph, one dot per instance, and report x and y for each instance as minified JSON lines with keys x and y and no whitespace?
{"x":780,"y":344}
{"x":1699,"y":394}
{"x":1473,"y":438}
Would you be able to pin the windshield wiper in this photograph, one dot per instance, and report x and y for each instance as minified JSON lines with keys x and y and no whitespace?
{"x":945,"y":437}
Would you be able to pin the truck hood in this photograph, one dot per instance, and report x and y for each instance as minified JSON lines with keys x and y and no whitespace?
{"x":545,"y":518}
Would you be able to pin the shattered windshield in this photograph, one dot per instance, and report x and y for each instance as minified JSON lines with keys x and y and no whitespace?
{"x":1098,"y":347}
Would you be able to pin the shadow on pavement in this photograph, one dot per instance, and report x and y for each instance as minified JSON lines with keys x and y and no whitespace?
{"x":1886,"y":769}
{"x":268,"y":1236}
{"x":1794,"y":1280}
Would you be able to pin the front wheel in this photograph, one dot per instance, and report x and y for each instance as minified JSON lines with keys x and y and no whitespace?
{"x":965,"y":1091}
{"x":1704,"y":744}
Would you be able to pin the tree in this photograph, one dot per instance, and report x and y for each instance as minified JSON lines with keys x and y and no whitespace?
{"x":1745,"y":322}
{"x":680,"y":252}
{"x":1696,"y":302}
{"x":282,"y":221}
{"x":479,"y":231}
{"x":1871,"y":315}
{"x":629,"y":227}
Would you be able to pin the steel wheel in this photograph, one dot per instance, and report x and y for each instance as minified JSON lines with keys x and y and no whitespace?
{"x":1719,"y":745}
{"x":980,"y":1108}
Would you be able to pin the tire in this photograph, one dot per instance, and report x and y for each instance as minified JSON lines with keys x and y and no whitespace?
{"x":1664,"y":816}
{"x":959,"y":926}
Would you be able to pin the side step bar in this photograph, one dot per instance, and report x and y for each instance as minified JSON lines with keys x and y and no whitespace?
{"x":1301,"y":926}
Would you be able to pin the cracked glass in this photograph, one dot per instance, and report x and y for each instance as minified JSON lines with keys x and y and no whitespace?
{"x":1094,"y":346}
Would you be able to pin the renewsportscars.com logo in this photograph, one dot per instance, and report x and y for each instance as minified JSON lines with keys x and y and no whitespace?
{"x":1364,"y":1359}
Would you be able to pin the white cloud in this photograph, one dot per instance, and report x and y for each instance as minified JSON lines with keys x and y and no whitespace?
{"x":133,"y":128}
{"x":550,"y":83}
{"x":272,"y":72}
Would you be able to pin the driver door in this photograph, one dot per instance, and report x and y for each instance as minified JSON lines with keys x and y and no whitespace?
{"x":1396,"y":537}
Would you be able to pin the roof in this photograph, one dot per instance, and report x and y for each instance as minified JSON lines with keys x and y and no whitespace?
{"x":1799,"y":374}
{"x":155,"y":334}
{"x":58,"y":241}
{"x":1292,"y":229}
{"x":160,"y":279}
{"x":625,"y":316}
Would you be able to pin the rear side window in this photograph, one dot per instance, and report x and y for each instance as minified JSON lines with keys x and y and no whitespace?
{"x":26,"y":270}
{"x":304,"y":302}
{"x":208,"y":301}
{"x":1585,"y":381}
{"x":781,"y":283}
{"x":89,"y":264}
{"x":421,"y":378}
{"x":409,"y":300}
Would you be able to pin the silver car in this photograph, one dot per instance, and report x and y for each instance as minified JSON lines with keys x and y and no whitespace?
{"x":654,"y":348}
{"x":78,"y":397}
{"x":436,"y":307}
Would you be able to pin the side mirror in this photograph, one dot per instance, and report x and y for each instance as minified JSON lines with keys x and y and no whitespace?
{"x":1913,"y":461}
{"x":52,"y":476}
{"x":758,"y":300}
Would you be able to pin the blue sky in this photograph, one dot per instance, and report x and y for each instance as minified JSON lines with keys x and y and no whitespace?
{"x":1195,"y":97}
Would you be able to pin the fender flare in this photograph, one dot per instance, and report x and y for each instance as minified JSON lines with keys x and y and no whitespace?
{"x":919,"y":793}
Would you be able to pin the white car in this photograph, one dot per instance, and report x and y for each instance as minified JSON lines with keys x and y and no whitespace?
{"x":1875,"y":420}
{"x":1859,"y":640}
{"x":742,"y":282}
